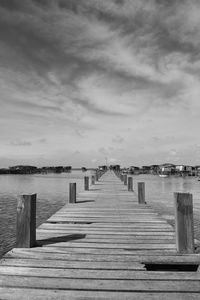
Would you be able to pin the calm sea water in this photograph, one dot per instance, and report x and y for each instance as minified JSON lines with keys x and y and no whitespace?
{"x":52,"y":193}
{"x":162,"y":189}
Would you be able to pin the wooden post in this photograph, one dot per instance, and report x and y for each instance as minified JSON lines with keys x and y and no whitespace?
{"x":125,"y":179}
{"x":122,"y":177}
{"x":26,"y":221}
{"x":93,"y":179}
{"x":141,"y":193}
{"x":130,"y":184}
{"x":97,"y":176}
{"x":184,"y":222}
{"x":86,"y":183}
{"x":72,"y":192}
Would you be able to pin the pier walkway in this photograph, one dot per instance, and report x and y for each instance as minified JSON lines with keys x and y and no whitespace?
{"x":97,"y":249}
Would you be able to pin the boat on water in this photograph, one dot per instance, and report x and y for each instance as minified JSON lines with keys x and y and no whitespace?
{"x":164,"y":174}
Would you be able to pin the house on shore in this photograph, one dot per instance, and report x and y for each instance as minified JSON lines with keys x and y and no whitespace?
{"x":145,"y":169}
{"x":167,"y":168}
{"x":184,"y":170}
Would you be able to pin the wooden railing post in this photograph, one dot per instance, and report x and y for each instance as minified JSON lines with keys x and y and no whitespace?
{"x":93,"y":180}
{"x":141,"y":193}
{"x":122,"y":177}
{"x":26,"y":221}
{"x":72,"y":192}
{"x":130,"y":184}
{"x":97,"y":176}
{"x":86,"y":183}
{"x":125,"y":179}
{"x":184,"y":222}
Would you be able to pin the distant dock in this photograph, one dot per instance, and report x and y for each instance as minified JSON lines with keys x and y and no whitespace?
{"x":107,"y":243}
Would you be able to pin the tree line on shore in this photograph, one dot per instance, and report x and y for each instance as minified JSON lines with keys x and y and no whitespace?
{"x":26,"y":169}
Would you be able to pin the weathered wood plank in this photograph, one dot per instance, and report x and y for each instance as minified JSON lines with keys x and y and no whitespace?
{"x":101,"y":284}
{"x":21,"y":294}
{"x":110,"y":232}
{"x":163,"y":256}
{"x":98,"y":274}
{"x":64,"y":264}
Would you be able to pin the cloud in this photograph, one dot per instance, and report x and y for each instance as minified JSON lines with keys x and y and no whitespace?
{"x":20,"y":143}
{"x":76,"y":71}
{"x":173,"y":152}
{"x":103,"y":151}
{"x":118,"y":139}
{"x":42,"y":140}
{"x":112,"y":160}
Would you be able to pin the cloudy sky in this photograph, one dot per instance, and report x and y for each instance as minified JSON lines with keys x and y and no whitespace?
{"x":85,"y":80}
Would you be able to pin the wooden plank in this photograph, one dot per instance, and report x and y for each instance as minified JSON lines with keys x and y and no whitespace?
{"x":133,"y":246}
{"x":100,"y":251}
{"x":21,"y":294}
{"x":98,"y":274}
{"x":110,"y":232}
{"x":76,"y":234}
{"x":143,"y":256}
{"x":104,"y":229}
{"x":102,"y":226}
{"x":129,"y":256}
{"x":101,"y":284}
{"x":109,"y":241}
{"x":70,"y":264}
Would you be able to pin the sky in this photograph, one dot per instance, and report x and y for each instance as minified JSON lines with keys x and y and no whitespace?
{"x":88,"y":81}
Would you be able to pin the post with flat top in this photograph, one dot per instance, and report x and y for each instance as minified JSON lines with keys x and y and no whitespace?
{"x":141,"y":193}
{"x":93,"y":179}
{"x":125,"y":179}
{"x":130,"y":184}
{"x":26,"y":221}
{"x":184,"y":222}
{"x":86,"y":183}
{"x":122,"y":177}
{"x":72,"y":192}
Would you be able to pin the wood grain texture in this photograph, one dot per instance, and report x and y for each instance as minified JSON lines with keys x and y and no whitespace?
{"x":130,"y":184}
{"x":26,"y":221}
{"x":184,"y":222}
{"x":86,"y":183}
{"x":72,"y":192}
{"x":141,"y":192}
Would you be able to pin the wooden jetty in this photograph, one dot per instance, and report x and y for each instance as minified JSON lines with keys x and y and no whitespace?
{"x":104,"y":246}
